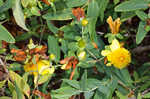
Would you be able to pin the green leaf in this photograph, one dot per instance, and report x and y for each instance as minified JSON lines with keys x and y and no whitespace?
{"x":65,"y":14}
{"x":7,"y":5}
{"x":75,"y":3}
{"x":105,"y":90}
{"x":132,"y":5}
{"x":18,"y":91}
{"x":18,"y":15}
{"x":35,"y":11}
{"x":64,"y":46}
{"x":120,"y":95}
{"x":25,"y":76}
{"x":139,"y":96}
{"x":135,"y":75}
{"x":92,"y":27}
{"x":25,"y":3}
{"x":92,"y":84}
{"x":102,"y":6}
{"x":126,"y":77}
{"x":144,"y":86}
{"x":5,"y":97}
{"x":141,"y":32}
{"x":2,"y":83}
{"x":5,"y":35}
{"x":43,"y":79}
{"x":11,"y":86}
{"x":23,"y":37}
{"x":72,"y":83}
{"x":142,"y":15}
{"x":20,"y":83}
{"x":147,"y":95}
{"x":88,"y":95}
{"x":116,"y":1}
{"x":85,"y":64}
{"x":127,"y":15}
{"x":64,"y":92}
{"x":98,"y":95}
{"x":83,"y":81}
{"x":51,"y":27}
{"x":93,"y":9}
{"x":53,"y":47}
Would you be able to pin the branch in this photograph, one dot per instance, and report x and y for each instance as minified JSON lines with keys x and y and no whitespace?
{"x":141,"y":49}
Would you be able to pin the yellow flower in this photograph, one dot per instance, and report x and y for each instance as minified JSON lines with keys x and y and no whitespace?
{"x":84,"y":22}
{"x":114,"y":25}
{"x":117,"y":55}
{"x":42,"y":67}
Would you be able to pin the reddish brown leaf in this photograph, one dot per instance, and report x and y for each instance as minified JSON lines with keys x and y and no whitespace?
{"x":72,"y":74}
{"x":105,"y":60}
{"x":4,"y":44}
{"x":66,"y":60}
{"x":19,"y":54}
{"x":70,"y":61}
{"x":38,"y":50}
{"x":95,"y":70}
{"x":38,"y":93}
{"x":78,"y":13}
{"x":130,"y":94}
{"x":46,"y":2}
{"x":95,"y":45}
{"x":37,"y":56}
{"x":69,"y":65}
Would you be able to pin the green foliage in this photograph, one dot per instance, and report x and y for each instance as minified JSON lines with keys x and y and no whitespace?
{"x":141,"y":32}
{"x":60,"y":37}
{"x":18,"y":14}
{"x":65,"y":14}
{"x":132,"y":5}
{"x":53,"y":47}
{"x":5,"y":35}
{"x":7,"y":5}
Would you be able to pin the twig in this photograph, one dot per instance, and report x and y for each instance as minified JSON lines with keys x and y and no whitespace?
{"x":146,"y":91}
{"x":141,"y":49}
{"x":94,"y":61}
{"x":91,"y":54}
{"x":2,"y":63}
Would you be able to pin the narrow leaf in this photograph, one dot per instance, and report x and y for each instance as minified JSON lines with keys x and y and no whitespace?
{"x":18,"y":15}
{"x":141,"y":32}
{"x":53,"y":47}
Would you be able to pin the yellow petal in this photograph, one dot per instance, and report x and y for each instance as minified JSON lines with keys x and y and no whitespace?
{"x":105,"y":52}
{"x":117,"y":25}
{"x":115,"y":45}
{"x":63,"y":66}
{"x":111,"y":24}
{"x":46,"y":70}
{"x":108,"y":64}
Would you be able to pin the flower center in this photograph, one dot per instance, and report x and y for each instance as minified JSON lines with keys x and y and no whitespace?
{"x":121,"y":58}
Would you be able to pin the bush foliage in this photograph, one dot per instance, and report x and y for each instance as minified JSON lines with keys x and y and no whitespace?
{"x":74,"y":49}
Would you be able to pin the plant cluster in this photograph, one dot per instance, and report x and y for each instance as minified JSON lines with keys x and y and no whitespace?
{"x":74,"y":49}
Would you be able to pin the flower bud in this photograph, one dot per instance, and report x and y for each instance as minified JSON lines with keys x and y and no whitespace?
{"x":84,"y":22}
{"x":82,"y":55}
